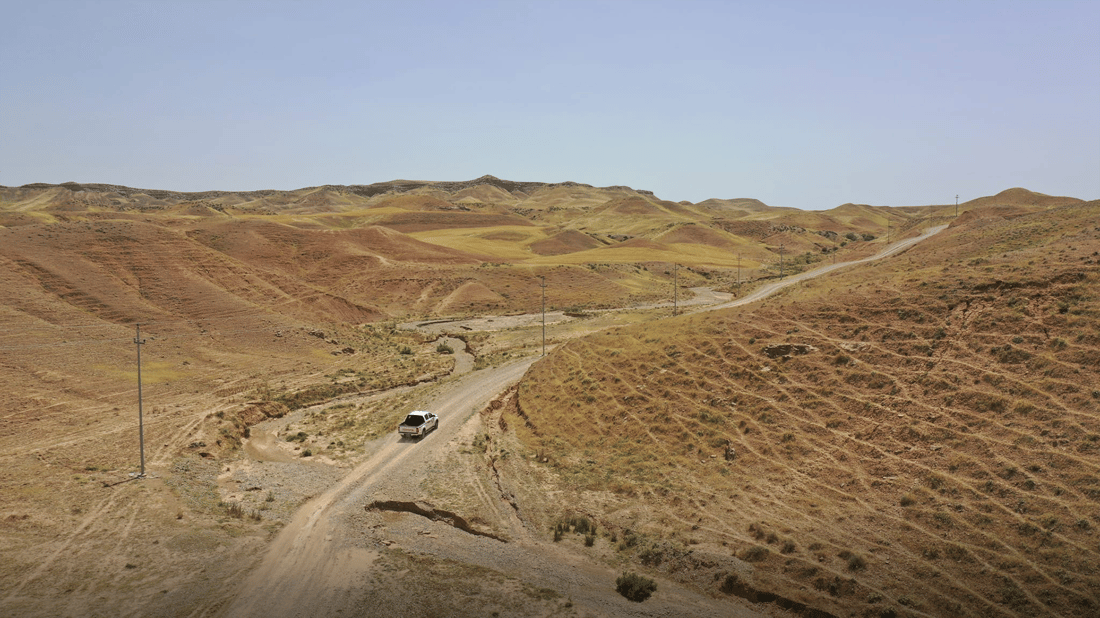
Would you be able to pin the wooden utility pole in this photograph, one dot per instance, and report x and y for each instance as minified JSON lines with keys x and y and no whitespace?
{"x":738,"y":274}
{"x":675,"y":287}
{"x":956,"y":205}
{"x":543,"y":285}
{"x":781,"y":261}
{"x":138,"y":341}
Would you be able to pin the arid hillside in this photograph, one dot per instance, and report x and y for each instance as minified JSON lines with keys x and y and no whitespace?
{"x":918,"y":437}
{"x":253,"y":305}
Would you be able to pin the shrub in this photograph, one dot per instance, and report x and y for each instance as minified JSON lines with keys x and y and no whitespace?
{"x":635,"y":587}
{"x":652,"y":556}
{"x":856,"y":563}
{"x":444,"y":349}
{"x":307,"y":453}
{"x":756,"y":553}
{"x":406,"y":350}
{"x":581,"y":525}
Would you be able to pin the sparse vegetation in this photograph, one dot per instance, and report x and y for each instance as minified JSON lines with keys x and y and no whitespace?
{"x":945,"y":414}
{"x":635,"y":587}
{"x":916,"y":406}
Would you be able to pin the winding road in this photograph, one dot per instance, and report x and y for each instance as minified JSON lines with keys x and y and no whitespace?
{"x":319,"y":564}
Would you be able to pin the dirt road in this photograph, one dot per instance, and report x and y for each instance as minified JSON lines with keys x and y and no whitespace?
{"x":324,"y":561}
{"x":768,"y":289}
{"x":311,"y":563}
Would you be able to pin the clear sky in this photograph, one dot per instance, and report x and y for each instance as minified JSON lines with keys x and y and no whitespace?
{"x":803,"y":104}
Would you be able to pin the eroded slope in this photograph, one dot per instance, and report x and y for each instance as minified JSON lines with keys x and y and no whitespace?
{"x":919,"y":437}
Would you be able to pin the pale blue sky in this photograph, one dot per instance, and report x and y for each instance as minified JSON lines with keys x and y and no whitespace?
{"x":803,"y":104}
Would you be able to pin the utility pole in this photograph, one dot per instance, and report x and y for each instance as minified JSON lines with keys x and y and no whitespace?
{"x":739,"y":274}
{"x":543,"y":285}
{"x":956,"y":206}
{"x":138,"y":341}
{"x":887,"y":231}
{"x":675,"y":287}
{"x":780,"y":260}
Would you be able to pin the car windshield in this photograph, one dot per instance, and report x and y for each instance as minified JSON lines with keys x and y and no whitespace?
{"x":413,"y":420}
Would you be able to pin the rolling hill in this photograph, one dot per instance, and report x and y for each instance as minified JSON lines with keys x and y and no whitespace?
{"x":918,"y":437}
{"x":933,"y":452}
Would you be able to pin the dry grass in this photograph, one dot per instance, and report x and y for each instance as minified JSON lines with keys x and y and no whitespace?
{"x":230,"y":286}
{"x":940,"y":448}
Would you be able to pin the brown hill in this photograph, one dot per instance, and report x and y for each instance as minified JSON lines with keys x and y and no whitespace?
{"x":299,"y":250}
{"x":569,"y":241}
{"x":422,"y":221}
{"x":733,"y":207}
{"x":980,"y":501}
{"x":634,"y":206}
{"x":412,"y":202}
{"x":697,"y":234}
{"x":471,"y":295}
{"x":1022,"y":197}
{"x":919,"y":437}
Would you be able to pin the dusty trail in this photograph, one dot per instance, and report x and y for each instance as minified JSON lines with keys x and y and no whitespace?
{"x":308,"y":569}
{"x":321,"y":565}
{"x":767,"y":290}
{"x":704,"y":299}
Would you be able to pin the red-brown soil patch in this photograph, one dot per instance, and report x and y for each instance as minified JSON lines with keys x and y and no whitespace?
{"x":413,"y":202}
{"x":569,"y":241}
{"x":634,"y":206}
{"x":470,"y":295}
{"x":423,"y":221}
{"x":698,"y":235}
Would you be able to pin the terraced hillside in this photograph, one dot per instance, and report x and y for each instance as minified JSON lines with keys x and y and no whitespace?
{"x":920,"y":437}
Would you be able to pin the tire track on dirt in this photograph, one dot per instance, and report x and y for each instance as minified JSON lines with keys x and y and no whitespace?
{"x":296,"y":575}
{"x":84,"y":528}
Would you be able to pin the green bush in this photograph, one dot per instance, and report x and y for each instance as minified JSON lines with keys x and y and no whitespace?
{"x":635,"y":587}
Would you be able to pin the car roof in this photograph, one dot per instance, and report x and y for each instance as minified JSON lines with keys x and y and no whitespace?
{"x":419,"y":412}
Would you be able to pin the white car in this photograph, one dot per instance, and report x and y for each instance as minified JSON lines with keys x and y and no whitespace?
{"x":417,"y":424}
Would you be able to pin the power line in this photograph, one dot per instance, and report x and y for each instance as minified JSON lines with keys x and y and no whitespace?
{"x":138,"y":341}
{"x":162,"y":338}
{"x":197,"y":321}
